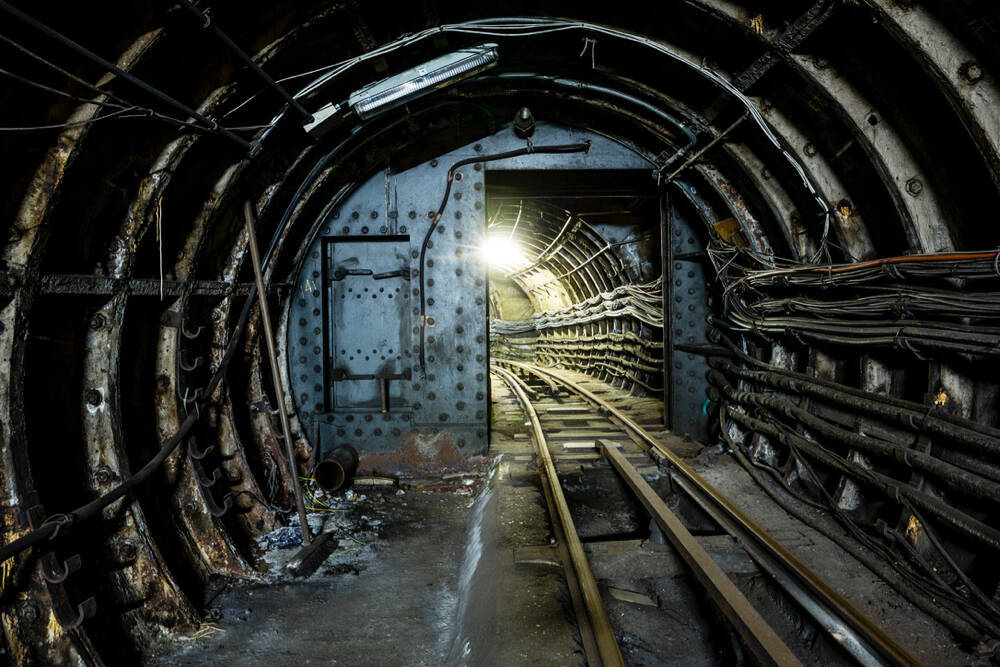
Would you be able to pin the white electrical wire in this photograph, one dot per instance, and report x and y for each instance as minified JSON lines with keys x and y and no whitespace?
{"x":509,"y":27}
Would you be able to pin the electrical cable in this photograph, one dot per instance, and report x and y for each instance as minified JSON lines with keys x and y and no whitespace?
{"x":564,"y":148}
{"x":210,"y":125}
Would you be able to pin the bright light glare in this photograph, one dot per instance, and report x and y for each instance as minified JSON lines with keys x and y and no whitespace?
{"x":502,"y":252}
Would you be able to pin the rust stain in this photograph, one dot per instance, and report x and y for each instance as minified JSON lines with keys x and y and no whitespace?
{"x":424,"y":452}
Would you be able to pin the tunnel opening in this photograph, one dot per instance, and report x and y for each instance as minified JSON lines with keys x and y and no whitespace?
{"x":720,"y":252}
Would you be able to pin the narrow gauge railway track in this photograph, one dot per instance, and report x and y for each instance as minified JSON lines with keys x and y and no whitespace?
{"x":620,"y":440}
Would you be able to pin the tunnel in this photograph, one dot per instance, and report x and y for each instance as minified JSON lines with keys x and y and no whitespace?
{"x":385,"y":333}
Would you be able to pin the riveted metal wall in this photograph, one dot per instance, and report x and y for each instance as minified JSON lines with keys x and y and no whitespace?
{"x":354,"y":336}
{"x":689,"y":308}
{"x":437,"y":416}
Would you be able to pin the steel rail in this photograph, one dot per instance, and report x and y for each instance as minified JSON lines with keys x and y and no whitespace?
{"x":856,"y":633}
{"x":765,"y":644}
{"x":607,"y":644}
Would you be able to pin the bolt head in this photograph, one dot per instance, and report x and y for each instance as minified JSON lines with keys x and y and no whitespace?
{"x":971,"y":71}
{"x":94,"y":397}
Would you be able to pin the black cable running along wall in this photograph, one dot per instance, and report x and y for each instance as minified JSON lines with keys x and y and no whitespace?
{"x":123,"y":262}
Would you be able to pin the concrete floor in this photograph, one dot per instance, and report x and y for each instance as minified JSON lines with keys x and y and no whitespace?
{"x":469,"y":576}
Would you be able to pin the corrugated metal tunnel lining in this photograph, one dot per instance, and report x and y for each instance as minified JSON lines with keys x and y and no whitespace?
{"x":780,"y":230}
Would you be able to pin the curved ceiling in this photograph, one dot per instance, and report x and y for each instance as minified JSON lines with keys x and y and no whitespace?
{"x":830,"y":131}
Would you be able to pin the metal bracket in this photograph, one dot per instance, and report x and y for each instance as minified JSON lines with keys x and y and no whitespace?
{"x":56,"y":573}
{"x":340,"y":274}
{"x":399,"y":273}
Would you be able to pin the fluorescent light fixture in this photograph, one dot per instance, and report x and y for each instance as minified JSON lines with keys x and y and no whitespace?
{"x":503,"y":253}
{"x":413,"y":83}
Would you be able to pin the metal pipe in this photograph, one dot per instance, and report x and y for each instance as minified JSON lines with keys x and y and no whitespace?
{"x":337,"y":469}
{"x":279,"y":394}
{"x":242,"y":55}
{"x":383,"y":393}
{"x":691,"y":160}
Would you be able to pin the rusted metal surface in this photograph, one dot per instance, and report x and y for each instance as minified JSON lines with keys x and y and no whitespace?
{"x":143,"y":576}
{"x":847,"y":625}
{"x":968,"y":86}
{"x":207,"y":545}
{"x":738,"y":206}
{"x":272,"y":361}
{"x":256,"y":516}
{"x":209,"y":550}
{"x":782,"y":206}
{"x":423,"y":451}
{"x":763,"y":641}
{"x":923,"y":214}
{"x":32,"y":632}
{"x":848,"y":220}
{"x":609,"y":653}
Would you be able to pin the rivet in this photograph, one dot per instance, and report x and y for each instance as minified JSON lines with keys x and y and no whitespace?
{"x":103,"y":475}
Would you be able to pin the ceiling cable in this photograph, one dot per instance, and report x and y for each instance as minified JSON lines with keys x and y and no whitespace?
{"x":209,"y":124}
